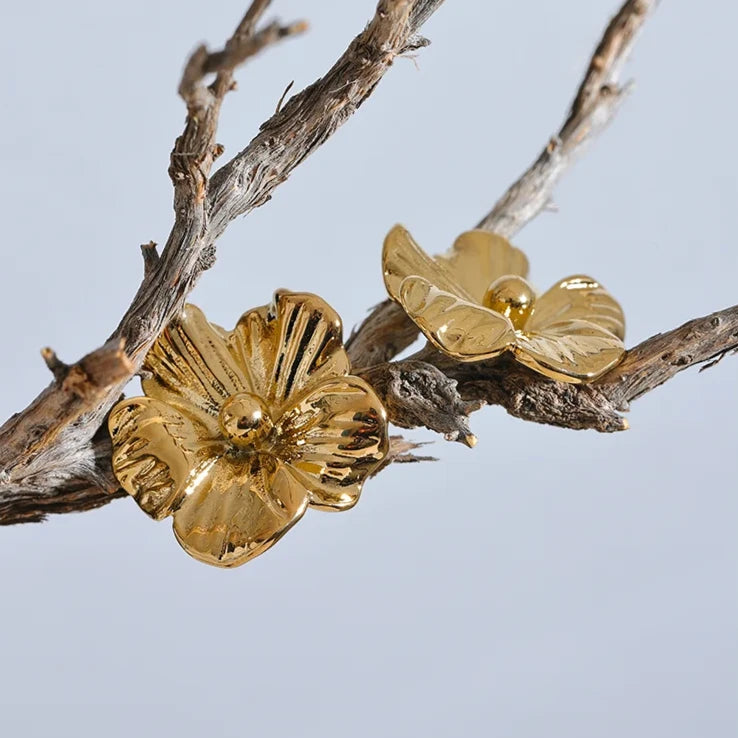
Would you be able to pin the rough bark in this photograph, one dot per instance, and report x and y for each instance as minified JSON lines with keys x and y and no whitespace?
{"x":50,"y":447}
{"x":55,"y":455}
{"x":432,"y":382}
{"x":387,"y":330}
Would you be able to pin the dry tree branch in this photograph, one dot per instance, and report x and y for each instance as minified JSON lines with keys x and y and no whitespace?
{"x":310,"y":117}
{"x":595,"y":104}
{"x":51,"y":446}
{"x":387,"y":330}
{"x":421,"y":388}
{"x":432,"y":390}
{"x":429,"y":389}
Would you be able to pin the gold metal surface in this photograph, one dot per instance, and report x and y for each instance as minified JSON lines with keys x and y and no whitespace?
{"x":474,"y":303}
{"x":241,"y":431}
{"x":513,"y":297}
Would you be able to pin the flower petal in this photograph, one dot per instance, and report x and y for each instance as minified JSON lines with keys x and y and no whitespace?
{"x":241,"y":510}
{"x":402,"y":258}
{"x":333,"y":439}
{"x":577,"y":298}
{"x":289,"y":347}
{"x":159,"y":454}
{"x":191,"y":366}
{"x":575,"y":332}
{"x":478,"y":258}
{"x":462,"y":329}
{"x":570,"y":351}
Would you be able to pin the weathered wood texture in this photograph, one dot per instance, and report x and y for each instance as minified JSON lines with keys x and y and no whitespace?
{"x":387,"y":330}
{"x":50,"y":447}
{"x":425,"y":384}
{"x":54,"y":455}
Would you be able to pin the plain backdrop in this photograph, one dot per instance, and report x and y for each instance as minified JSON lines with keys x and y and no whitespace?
{"x":547,"y":583}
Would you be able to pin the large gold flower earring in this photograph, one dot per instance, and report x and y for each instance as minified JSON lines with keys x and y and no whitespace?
{"x":241,"y":431}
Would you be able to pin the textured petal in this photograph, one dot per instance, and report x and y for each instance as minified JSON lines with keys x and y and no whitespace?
{"x":462,"y":329}
{"x":478,"y":258}
{"x":577,"y":298}
{"x":402,"y":258}
{"x":289,"y":348}
{"x":243,"y":508}
{"x":570,"y":351}
{"x":575,"y":332}
{"x":191,"y":367}
{"x":159,"y":454}
{"x":333,"y":439}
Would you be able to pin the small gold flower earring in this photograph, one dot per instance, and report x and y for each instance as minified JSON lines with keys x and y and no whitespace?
{"x":474,"y":303}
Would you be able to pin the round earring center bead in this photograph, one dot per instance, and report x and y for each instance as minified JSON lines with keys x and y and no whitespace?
{"x":244,"y":419}
{"x":513,"y":297}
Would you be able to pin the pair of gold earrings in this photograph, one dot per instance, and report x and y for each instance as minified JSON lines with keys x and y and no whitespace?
{"x":241,"y":431}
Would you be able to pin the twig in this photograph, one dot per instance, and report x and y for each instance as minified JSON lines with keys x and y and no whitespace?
{"x":525,"y":394}
{"x":387,"y":330}
{"x":658,"y":359}
{"x":401,"y":452}
{"x":314,"y":114}
{"x":428,"y":389}
{"x":595,"y":104}
{"x":150,"y":257}
{"x":280,"y":102}
{"x":51,"y":447}
{"x":56,"y":366}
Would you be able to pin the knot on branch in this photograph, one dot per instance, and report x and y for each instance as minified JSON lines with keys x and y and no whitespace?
{"x":103,"y":368}
{"x":57,"y":367}
{"x":150,"y":257}
{"x":415,"y":394}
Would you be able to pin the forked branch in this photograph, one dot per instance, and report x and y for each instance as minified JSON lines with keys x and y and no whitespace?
{"x":52,"y":444}
{"x":387,"y":330}
{"x":55,"y":455}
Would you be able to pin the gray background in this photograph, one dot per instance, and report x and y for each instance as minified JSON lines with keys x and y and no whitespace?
{"x":548,"y":583}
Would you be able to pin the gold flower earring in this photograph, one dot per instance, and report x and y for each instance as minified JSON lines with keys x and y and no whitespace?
{"x":241,"y":431}
{"x":474,"y":303}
